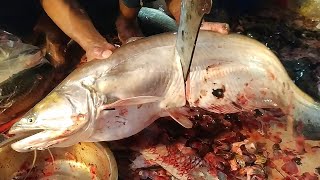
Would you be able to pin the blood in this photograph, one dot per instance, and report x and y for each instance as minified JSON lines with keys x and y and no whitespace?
{"x":49,"y":160}
{"x":308,"y":176}
{"x":5,"y":127}
{"x":275,"y":138}
{"x":93,"y":171}
{"x":255,"y":136}
{"x":196,"y":103}
{"x":242,"y":100}
{"x":281,"y":125}
{"x":25,"y":166}
{"x":300,"y":144}
{"x":290,"y":167}
{"x":271,"y":164}
{"x":267,"y":118}
{"x":123,"y":112}
{"x":216,"y":161}
{"x":48,"y":172}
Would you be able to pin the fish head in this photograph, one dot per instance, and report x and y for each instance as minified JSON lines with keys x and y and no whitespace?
{"x":55,"y":118}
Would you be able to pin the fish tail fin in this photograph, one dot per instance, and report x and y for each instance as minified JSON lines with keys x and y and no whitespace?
{"x":306,"y":114}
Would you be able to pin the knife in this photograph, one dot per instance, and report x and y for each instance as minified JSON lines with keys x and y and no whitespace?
{"x":192,"y":12}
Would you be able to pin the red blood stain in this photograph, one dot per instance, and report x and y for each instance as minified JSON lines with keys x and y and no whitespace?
{"x":25,"y":166}
{"x":300,"y":144}
{"x":308,"y":176}
{"x":275,"y":138}
{"x":268,"y":118}
{"x":5,"y":127}
{"x":271,"y":164}
{"x":242,"y":100}
{"x":255,"y":136}
{"x":215,"y":162}
{"x":49,"y":160}
{"x":185,"y":150}
{"x":93,"y":171}
{"x":48,"y":172}
{"x":299,"y":127}
{"x":286,"y":158}
{"x":196,"y":103}
{"x":290,"y":167}
{"x":281,"y":125}
{"x":123,"y":112}
{"x":216,"y":108}
{"x":184,"y":164}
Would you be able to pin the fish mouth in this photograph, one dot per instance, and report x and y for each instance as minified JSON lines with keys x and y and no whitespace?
{"x":17,"y":137}
{"x":16,"y":129}
{"x":38,"y":140}
{"x":27,"y":139}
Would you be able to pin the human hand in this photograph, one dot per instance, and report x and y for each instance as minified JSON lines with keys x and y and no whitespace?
{"x":99,"y":51}
{"x":222,"y":28}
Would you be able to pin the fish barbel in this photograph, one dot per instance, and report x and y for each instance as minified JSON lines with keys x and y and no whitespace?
{"x":115,"y":98}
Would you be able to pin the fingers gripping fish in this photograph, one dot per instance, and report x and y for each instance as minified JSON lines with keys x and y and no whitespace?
{"x":116,"y":98}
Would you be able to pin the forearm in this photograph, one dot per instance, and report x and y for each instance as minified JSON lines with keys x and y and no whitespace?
{"x":73,"y":21}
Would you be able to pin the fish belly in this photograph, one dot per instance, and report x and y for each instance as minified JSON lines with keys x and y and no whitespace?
{"x":232,"y":88}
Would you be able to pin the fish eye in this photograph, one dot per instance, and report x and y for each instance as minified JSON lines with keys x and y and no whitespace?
{"x":30,"y":120}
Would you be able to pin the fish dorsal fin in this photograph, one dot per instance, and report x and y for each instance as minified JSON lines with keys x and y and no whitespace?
{"x":181,"y":118}
{"x":132,"y":101}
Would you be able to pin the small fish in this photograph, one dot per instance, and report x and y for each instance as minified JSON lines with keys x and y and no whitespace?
{"x":115,"y":98}
{"x":16,"y":56}
{"x":24,"y":76}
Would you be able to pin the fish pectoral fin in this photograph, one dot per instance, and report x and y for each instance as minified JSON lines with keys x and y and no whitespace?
{"x":180,"y":118}
{"x":132,"y":101}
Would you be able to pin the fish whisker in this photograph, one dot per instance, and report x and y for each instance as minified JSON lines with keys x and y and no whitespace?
{"x":32,"y":165}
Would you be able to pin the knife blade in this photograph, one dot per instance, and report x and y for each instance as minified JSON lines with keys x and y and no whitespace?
{"x":192,"y":12}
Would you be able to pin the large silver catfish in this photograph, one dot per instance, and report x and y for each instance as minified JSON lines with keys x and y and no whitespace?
{"x":117,"y":97}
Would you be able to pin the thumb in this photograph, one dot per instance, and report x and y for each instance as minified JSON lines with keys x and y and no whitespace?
{"x":106,"y":53}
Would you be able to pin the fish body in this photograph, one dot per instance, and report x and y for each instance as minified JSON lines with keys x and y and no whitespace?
{"x":147,"y":80}
{"x":117,"y":97}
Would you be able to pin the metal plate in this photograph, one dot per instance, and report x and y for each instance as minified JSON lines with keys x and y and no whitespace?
{"x":93,"y":161}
